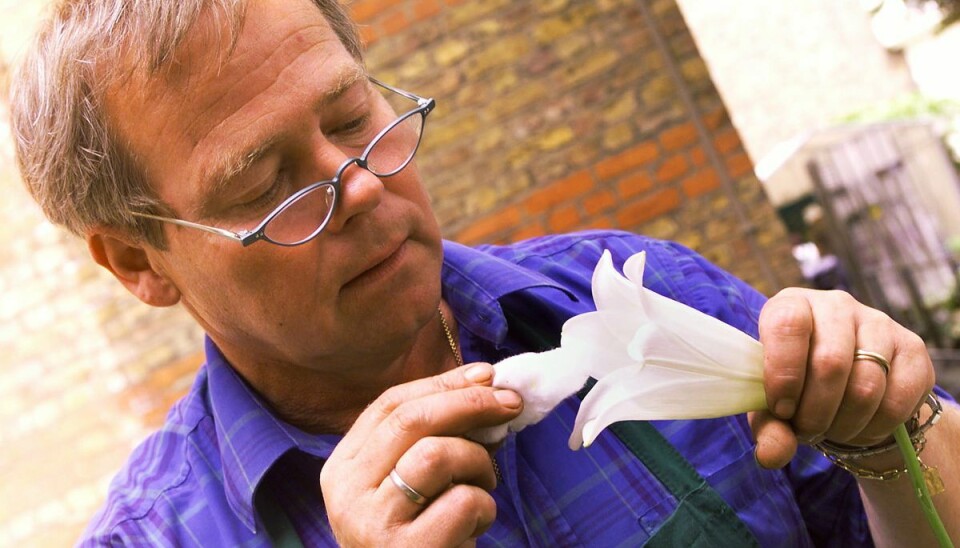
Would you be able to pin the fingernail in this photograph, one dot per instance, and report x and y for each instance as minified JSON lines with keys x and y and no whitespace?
{"x":479,"y":373}
{"x":508,"y":398}
{"x":784,"y":409}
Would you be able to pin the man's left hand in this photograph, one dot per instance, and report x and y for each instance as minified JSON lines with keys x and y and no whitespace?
{"x":815,"y":390}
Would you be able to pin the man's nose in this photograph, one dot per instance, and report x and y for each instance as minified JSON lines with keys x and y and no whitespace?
{"x":360,"y":192}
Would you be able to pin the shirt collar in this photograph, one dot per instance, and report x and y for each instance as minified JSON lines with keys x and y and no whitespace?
{"x":250,"y":437}
{"x":475,"y":279}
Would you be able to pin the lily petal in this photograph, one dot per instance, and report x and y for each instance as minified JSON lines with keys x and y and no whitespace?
{"x":580,"y":336}
{"x":653,"y":358}
{"x":738,"y":357}
{"x":657,"y":393}
{"x":612,"y":292}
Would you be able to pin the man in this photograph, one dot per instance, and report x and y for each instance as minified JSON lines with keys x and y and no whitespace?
{"x":236,"y":158}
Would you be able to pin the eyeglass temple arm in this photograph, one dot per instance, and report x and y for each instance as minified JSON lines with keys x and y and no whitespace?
{"x":212,"y":229}
{"x":412,"y":96}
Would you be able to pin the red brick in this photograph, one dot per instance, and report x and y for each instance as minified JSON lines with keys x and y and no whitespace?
{"x":700,"y":183}
{"x":484,"y":228}
{"x":677,"y":137}
{"x":558,"y":192}
{"x":425,"y":9}
{"x":739,"y":165}
{"x":640,"y":155}
{"x":727,"y":141}
{"x":647,"y":208}
{"x":671,"y":168}
{"x":363,"y":11}
{"x":564,"y":219}
{"x":367,"y":34}
{"x":698,"y":157}
{"x":394,"y":23}
{"x":525,"y":232}
{"x":601,"y":222}
{"x":715,"y":119}
{"x":599,"y":201}
{"x":634,"y":184}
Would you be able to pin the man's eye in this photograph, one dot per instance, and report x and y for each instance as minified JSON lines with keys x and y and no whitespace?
{"x":268,"y":198}
{"x":356,"y":126}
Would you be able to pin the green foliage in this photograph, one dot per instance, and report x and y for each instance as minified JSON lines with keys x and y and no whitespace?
{"x":907,"y":107}
{"x":915,"y":106}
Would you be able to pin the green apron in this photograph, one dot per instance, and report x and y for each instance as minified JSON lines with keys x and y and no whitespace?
{"x":702,"y":518}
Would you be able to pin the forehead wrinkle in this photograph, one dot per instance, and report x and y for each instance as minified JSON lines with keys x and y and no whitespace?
{"x":228,"y":165}
{"x":217,"y":101}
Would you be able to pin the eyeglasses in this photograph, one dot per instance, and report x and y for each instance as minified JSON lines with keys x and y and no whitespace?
{"x":303,"y":215}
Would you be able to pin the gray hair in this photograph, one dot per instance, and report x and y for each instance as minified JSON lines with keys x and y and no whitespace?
{"x":73,"y":162}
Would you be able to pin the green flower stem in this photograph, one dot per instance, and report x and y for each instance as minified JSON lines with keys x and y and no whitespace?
{"x":923,"y":494}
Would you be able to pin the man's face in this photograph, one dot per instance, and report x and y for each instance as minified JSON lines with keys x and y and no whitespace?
{"x":290,"y":96}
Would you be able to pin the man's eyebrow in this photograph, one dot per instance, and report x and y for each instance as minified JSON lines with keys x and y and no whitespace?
{"x":229,"y":166}
{"x":347,"y":78}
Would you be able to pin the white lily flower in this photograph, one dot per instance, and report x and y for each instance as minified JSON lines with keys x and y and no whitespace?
{"x":653,"y":358}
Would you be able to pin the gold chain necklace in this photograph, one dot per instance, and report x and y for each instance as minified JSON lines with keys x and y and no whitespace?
{"x":450,"y":341}
{"x":457,"y":356}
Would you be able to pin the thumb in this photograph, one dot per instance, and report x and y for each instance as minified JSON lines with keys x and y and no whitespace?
{"x":776,"y":442}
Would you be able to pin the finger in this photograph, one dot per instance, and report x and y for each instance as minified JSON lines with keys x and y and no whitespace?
{"x":910,"y":379}
{"x":776,"y":442}
{"x":431,"y":467}
{"x":867,"y":381}
{"x":445,"y":414}
{"x":786,"y":328}
{"x":829,"y":364}
{"x":459,"y":514}
{"x":477,"y":374}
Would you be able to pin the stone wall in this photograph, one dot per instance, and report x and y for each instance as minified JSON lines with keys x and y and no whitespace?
{"x":552,"y":115}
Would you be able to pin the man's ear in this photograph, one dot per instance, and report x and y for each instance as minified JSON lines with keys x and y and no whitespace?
{"x":130,"y":264}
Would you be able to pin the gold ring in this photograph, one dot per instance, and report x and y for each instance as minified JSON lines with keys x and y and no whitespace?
{"x":405,"y":488}
{"x":861,"y":354}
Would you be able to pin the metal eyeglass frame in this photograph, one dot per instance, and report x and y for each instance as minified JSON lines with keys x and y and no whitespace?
{"x":247,"y":237}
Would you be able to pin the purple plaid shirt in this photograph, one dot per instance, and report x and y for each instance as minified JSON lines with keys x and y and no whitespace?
{"x":196,"y":481}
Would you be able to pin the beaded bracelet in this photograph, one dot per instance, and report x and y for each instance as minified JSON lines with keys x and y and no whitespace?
{"x":841,"y":455}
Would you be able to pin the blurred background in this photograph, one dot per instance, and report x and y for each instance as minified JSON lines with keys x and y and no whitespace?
{"x":812,"y":144}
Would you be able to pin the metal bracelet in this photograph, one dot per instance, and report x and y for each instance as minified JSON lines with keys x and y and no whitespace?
{"x":886,"y":475}
{"x":916,"y":432}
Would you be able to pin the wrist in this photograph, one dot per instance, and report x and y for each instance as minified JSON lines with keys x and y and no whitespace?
{"x":884,"y":461}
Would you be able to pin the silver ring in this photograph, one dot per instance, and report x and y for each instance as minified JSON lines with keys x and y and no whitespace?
{"x":862,"y":354}
{"x":405,"y":488}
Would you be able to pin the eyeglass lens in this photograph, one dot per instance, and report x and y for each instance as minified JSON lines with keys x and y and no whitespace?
{"x":302,"y":218}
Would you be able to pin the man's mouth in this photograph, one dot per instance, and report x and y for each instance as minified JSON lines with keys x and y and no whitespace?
{"x":380,"y":268}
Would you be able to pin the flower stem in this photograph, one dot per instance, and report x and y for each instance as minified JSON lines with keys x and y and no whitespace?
{"x":923,"y":494}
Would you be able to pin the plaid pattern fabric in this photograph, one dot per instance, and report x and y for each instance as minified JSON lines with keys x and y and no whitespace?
{"x":195,"y":482}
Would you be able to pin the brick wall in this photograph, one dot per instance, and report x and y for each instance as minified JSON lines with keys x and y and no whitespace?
{"x":553,"y":115}
{"x":561,"y":115}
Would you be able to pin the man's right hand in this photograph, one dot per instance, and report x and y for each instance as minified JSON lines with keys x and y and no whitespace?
{"x":416,"y":428}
